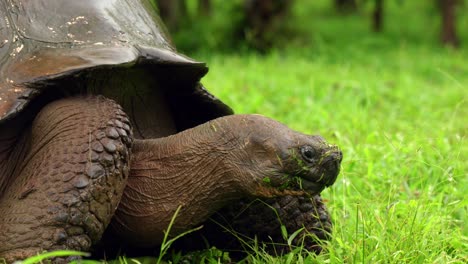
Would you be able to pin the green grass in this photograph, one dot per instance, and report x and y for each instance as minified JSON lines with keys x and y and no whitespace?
{"x":396,"y":103}
{"x":401,"y":121}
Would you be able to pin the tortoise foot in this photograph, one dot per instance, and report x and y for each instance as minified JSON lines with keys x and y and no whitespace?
{"x":235,"y":227}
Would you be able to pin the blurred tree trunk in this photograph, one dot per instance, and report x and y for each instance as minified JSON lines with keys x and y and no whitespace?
{"x":264,"y":19}
{"x":377,"y":16}
{"x":183,"y":11}
{"x":448,"y":30}
{"x":172,"y":11}
{"x":204,"y":7}
{"x":345,"y":6}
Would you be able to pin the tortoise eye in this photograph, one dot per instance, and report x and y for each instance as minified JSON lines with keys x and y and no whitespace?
{"x":308,"y":153}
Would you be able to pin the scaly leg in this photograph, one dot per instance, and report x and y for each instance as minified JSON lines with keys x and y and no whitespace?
{"x":66,"y":189}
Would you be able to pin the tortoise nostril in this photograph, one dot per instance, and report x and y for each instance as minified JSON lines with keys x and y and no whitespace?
{"x":335,"y":155}
{"x":339,"y":155}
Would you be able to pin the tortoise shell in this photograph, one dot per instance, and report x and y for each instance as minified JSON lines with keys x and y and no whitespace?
{"x":46,"y":44}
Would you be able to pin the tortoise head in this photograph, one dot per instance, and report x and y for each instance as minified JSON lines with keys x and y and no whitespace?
{"x":283,"y":161}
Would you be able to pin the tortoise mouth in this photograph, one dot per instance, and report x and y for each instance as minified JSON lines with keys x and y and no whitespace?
{"x":300,"y":183}
{"x":304,"y":178}
{"x":296,"y":185}
{"x":325,"y":173}
{"x":310,"y":186}
{"x":313,"y":180}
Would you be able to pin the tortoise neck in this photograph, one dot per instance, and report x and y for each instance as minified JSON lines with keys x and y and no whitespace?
{"x":12,"y":149}
{"x":188,"y":169}
{"x":191,"y":165}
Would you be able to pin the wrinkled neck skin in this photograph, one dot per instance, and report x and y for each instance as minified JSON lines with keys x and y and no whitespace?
{"x":4,"y":171}
{"x":192,"y":169}
{"x":6,"y":143}
{"x":12,"y":149}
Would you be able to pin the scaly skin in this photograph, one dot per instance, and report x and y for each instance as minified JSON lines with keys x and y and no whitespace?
{"x":69,"y":180}
{"x":208,"y":167}
{"x":262,"y":220}
{"x":237,"y":227}
{"x":65,"y":190}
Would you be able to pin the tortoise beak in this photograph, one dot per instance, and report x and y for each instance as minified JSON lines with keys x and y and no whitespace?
{"x":331,"y":164}
{"x":324,"y":173}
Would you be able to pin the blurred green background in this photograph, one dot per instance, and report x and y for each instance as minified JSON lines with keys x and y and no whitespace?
{"x":237,"y":25}
{"x":387,"y":81}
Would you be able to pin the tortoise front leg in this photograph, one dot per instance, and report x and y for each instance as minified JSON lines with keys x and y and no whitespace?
{"x":235,"y":227}
{"x":67,"y":187}
{"x":262,"y":219}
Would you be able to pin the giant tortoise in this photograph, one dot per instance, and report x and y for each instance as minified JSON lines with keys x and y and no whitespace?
{"x":104,"y":126}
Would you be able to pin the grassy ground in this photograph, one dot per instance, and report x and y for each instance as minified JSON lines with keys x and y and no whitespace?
{"x":396,"y":103}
